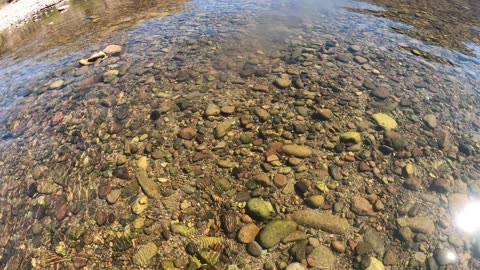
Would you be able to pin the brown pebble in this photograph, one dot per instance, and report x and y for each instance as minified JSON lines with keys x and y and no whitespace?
{"x":338,"y":247}
{"x":280,"y":180}
{"x":311,"y":262}
{"x":187,"y":133}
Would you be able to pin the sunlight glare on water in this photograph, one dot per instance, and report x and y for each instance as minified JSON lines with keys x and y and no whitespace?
{"x":468,"y":220}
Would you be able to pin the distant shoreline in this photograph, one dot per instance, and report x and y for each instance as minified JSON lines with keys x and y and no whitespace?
{"x":20,"y":11}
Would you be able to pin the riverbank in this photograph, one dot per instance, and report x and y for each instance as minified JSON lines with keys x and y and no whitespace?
{"x":21,"y":11}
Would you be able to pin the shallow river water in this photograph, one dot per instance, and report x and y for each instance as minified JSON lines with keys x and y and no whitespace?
{"x":242,"y":135}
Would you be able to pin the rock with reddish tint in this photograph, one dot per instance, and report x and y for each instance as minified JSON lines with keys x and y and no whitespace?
{"x":440,"y":185}
{"x":57,"y":118}
{"x":280,"y":180}
{"x":187,"y":133}
{"x":361,"y":206}
{"x":112,"y":49}
{"x":247,"y":233}
{"x":324,"y":114}
{"x":413,"y":184}
{"x":338,"y":246}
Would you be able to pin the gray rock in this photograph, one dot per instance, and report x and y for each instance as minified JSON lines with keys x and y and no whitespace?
{"x":323,"y":221}
{"x":254,"y":249}
{"x":274,"y":231}
{"x":374,"y":238}
{"x":445,"y":256}
{"x":335,"y":172}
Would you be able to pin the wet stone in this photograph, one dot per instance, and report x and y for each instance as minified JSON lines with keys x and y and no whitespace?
{"x":187,"y":133}
{"x":430,"y":121}
{"x":282,"y":83}
{"x":254,"y":249}
{"x":335,"y":172}
{"x":260,"y":208}
{"x":440,"y":185}
{"x":324,"y":257}
{"x":299,"y":151}
{"x":323,"y":221}
{"x":247,"y":233}
{"x":274,"y":231}
{"x":121,"y":172}
{"x":381,"y":93}
{"x":144,"y":254}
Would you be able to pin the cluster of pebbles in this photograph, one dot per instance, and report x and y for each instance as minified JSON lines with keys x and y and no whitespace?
{"x":266,"y":143}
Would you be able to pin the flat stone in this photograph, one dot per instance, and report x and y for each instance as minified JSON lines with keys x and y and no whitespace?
{"x":262,"y":179}
{"x":335,"y":172}
{"x":247,"y":233}
{"x":296,"y":266}
{"x":375,"y":264}
{"x":323,"y":221}
{"x":324,"y":258}
{"x":445,"y":256}
{"x":361,"y":206}
{"x":381,"y":93}
{"x":254,"y":249}
{"x":315,"y":201}
{"x":282,"y":83}
{"x":259,"y":208}
{"x":56,"y":84}
{"x":351,"y":137}
{"x":112,"y":49}
{"x":221,"y":129}
{"x":261,"y":113}
{"x":430,"y":121}
{"x":385,"y":121}
{"x":299,"y":151}
{"x":280,"y":180}
{"x":275,"y":231}
{"x":413,"y":183}
{"x":440,"y":185}
{"x":325,"y":114}
{"x":360,"y":59}
{"x":187,"y":133}
{"x":212,"y":110}
{"x":418,"y":224}
{"x":149,"y":186}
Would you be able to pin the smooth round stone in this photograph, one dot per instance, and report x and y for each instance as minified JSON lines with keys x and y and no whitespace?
{"x":385,"y":121}
{"x":56,"y":84}
{"x":282,"y":83}
{"x":315,"y":201}
{"x":361,"y":60}
{"x":254,"y":249}
{"x":296,"y":266}
{"x":381,"y":93}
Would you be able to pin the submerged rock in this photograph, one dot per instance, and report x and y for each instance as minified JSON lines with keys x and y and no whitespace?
{"x":275,"y":231}
{"x":323,"y":221}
